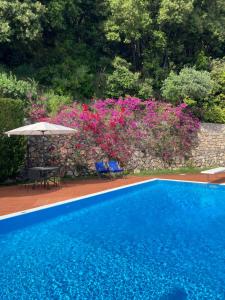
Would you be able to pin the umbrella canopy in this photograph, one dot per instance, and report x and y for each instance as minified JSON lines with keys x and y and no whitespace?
{"x":41,"y":128}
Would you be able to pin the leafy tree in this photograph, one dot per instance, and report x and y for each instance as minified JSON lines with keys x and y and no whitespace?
{"x":189,"y":83}
{"x":61,"y":13}
{"x":214,"y":109}
{"x":124,"y":82}
{"x":175,"y":11}
{"x":20,"y":20}
{"x":190,"y":28}
{"x":69,"y":45}
{"x":218,"y":75}
{"x":68,"y":58}
{"x":128,"y":22}
{"x":68,"y":77}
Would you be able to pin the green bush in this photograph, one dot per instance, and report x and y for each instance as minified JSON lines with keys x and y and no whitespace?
{"x":145,"y":89}
{"x":55,"y":102}
{"x":13,"y":88}
{"x":124,"y":82}
{"x":190,"y":83}
{"x":12,"y":150}
{"x":218,"y":75}
{"x":214,"y":114}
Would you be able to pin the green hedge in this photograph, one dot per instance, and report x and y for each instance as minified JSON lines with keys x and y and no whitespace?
{"x":12,"y":150}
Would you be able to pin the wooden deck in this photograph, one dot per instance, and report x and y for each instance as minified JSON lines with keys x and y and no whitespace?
{"x":18,"y":198}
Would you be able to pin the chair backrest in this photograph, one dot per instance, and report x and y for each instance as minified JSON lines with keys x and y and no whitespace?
{"x":100,"y":166}
{"x":113,"y":165}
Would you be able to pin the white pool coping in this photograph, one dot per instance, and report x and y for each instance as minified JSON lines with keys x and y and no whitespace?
{"x":27,"y":211}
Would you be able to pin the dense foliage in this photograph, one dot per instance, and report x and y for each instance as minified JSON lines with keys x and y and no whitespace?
{"x":11,"y":87}
{"x":115,"y":128}
{"x":57,"y":54}
{"x":190,"y":83}
{"x":84,"y":49}
{"x":12,"y":149}
{"x":123,"y":81}
{"x":20,"y":20}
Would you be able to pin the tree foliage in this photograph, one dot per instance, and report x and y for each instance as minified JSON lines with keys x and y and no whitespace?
{"x":71,"y":46}
{"x":20,"y":20}
{"x":175,"y":11}
{"x":218,"y":75}
{"x":189,"y":83}
{"x":13,"y":88}
{"x":127,"y":21}
{"x":125,"y":82}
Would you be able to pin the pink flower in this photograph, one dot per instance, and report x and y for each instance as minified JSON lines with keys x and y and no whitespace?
{"x":117,"y":126}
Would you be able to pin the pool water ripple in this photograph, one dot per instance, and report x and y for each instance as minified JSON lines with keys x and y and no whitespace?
{"x":159,"y":240}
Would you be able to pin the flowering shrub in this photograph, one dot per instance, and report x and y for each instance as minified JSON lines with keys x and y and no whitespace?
{"x":46,"y":104}
{"x":117,"y":127}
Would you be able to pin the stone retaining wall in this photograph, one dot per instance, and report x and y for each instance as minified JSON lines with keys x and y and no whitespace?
{"x":209,"y":150}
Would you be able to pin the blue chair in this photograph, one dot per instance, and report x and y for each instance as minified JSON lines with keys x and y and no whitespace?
{"x":114,"y":167}
{"x":101,"y":168}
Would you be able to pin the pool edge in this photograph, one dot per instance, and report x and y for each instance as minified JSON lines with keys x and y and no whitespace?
{"x":42,"y":207}
{"x":27,"y":211}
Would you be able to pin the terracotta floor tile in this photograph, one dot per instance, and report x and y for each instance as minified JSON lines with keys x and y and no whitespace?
{"x":19,"y":198}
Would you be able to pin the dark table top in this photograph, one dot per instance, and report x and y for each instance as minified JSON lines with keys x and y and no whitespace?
{"x":44,"y":168}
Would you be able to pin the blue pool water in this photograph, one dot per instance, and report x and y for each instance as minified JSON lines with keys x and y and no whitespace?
{"x":161,"y":240}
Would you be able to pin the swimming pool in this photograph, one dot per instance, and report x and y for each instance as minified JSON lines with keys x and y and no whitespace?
{"x":156,"y":240}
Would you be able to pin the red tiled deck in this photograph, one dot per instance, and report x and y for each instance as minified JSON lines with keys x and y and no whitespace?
{"x":18,"y":198}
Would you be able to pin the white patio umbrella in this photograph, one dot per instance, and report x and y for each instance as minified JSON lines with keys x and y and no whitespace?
{"x":41,"y":129}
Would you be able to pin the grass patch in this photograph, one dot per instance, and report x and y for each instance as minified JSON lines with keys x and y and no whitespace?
{"x":184,"y":170}
{"x":79,"y":177}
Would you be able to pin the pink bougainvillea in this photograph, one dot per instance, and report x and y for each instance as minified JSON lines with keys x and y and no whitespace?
{"x":118,"y":127}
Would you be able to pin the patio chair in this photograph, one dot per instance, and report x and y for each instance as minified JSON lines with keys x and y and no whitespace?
{"x":101,"y":169}
{"x":114,"y":167}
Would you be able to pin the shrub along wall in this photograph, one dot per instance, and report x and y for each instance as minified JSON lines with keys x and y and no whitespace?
{"x":12,"y":149}
{"x":139,"y":134}
{"x":208,"y":151}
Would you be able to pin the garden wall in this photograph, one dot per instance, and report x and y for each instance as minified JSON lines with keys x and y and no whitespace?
{"x":208,"y":150}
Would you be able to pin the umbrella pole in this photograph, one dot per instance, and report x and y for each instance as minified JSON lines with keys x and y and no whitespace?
{"x":43,"y":149}
{"x":28,"y":154}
